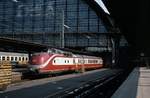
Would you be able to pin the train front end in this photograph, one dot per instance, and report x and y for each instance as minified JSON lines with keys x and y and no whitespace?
{"x":39,"y":61}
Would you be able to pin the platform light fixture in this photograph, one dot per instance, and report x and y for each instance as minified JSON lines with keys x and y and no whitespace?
{"x":15,"y":0}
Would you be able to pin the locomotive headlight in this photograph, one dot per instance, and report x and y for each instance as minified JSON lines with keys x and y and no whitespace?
{"x":42,"y":59}
{"x":32,"y":69}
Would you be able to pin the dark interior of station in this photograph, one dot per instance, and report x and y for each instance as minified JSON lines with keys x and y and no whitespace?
{"x":133,"y":19}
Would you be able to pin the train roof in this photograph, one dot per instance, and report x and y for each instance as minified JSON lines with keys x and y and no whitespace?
{"x":12,"y":54}
{"x":84,"y":56}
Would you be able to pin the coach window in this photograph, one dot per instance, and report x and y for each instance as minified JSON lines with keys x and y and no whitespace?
{"x":26,"y":59}
{"x":3,"y":58}
{"x":84,"y":61}
{"x":96,"y":61}
{"x":54,"y":61}
{"x":74,"y":61}
{"x":15,"y":58}
{"x":8,"y":58}
{"x":12,"y":58}
{"x":68,"y":61}
{"x":19,"y":58}
{"x":22,"y":58}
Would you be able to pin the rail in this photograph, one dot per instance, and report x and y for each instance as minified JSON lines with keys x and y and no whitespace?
{"x":87,"y":88}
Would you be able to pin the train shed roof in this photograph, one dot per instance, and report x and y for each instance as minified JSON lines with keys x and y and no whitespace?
{"x":8,"y":44}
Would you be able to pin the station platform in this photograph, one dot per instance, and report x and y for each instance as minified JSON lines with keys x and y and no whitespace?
{"x":137,"y":85}
{"x":45,"y":88}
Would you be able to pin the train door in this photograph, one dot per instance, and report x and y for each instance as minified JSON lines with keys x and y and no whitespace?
{"x":82,"y":65}
{"x":75,"y":62}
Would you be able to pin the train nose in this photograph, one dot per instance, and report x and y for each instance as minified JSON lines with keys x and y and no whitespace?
{"x":34,"y":60}
{"x":33,"y":68}
{"x":39,"y":59}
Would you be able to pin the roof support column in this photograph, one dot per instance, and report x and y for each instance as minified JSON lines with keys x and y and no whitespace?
{"x":115,"y":41}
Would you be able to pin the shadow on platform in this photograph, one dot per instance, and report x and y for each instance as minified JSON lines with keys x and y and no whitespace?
{"x":129,"y":89}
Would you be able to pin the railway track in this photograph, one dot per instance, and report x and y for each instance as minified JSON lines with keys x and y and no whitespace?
{"x":87,"y":88}
{"x":53,"y":77}
{"x":65,"y":86}
{"x":29,"y":77}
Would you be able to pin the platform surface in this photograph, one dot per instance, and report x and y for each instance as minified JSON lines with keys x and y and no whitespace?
{"x":137,"y":85}
{"x":44,"y":88}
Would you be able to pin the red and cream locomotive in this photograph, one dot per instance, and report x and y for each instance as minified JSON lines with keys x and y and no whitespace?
{"x":55,"y":60}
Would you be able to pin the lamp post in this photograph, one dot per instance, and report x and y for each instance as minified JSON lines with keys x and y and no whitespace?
{"x":62,"y":34}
